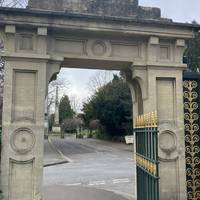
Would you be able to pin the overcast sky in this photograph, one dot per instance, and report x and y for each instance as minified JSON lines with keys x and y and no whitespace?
{"x":178,"y":10}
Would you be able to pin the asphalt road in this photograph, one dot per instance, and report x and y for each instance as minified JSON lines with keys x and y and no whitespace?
{"x":97,"y":170}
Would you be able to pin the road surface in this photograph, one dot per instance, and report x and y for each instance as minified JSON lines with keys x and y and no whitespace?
{"x":97,"y":170}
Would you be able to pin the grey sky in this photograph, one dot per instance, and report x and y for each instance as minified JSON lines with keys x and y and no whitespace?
{"x":178,"y":10}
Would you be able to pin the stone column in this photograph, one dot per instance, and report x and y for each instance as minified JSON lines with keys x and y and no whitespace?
{"x":57,"y":108}
{"x":27,"y":72}
{"x":159,"y":87}
{"x":23,"y":129}
{"x":56,"y":127}
{"x":166,"y":96}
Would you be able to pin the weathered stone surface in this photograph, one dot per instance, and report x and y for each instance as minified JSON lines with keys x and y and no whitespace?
{"x":46,"y":4}
{"x":125,"y":8}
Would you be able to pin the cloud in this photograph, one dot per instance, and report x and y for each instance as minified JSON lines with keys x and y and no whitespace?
{"x":178,"y":10}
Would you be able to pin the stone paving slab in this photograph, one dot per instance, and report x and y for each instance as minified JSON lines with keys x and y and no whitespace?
{"x":77,"y":193}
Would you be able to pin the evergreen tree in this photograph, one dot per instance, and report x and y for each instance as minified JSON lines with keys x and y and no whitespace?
{"x":65,"y":110}
{"x":112,"y":106}
{"x":193,"y":53}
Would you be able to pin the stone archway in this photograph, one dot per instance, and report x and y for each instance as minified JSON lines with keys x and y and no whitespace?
{"x":38,"y":42}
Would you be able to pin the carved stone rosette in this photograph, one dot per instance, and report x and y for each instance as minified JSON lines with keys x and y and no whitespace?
{"x":22,"y":140}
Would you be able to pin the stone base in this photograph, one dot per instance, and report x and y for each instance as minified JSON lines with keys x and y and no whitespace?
{"x":56,"y":129}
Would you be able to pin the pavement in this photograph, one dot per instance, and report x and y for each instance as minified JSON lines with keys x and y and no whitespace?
{"x":95,"y":170}
{"x":52,"y":155}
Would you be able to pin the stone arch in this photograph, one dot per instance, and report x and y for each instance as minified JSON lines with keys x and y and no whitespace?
{"x":138,"y":97}
{"x":137,"y":92}
{"x":34,"y":52}
{"x":141,"y":83}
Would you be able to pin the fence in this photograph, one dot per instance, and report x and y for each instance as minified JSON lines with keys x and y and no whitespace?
{"x":146,"y":134}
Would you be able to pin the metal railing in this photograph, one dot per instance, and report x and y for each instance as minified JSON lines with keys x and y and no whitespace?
{"x":191,"y":88}
{"x":146,"y":134}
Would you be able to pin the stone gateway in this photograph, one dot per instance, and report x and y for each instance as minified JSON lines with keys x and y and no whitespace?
{"x":97,"y":34}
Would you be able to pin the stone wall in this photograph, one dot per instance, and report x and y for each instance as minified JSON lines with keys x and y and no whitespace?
{"x":125,"y":8}
{"x":46,"y":4}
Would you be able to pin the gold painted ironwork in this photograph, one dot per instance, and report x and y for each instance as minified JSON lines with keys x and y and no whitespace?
{"x":192,"y":139}
{"x":146,"y":120}
{"x":148,"y":165}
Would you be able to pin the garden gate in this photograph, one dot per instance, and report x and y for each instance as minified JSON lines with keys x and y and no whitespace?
{"x":192,"y":133}
{"x":146,"y":134}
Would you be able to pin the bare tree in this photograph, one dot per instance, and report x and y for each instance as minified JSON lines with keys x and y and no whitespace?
{"x":63,"y":85}
{"x":75,"y":103}
{"x":100,"y":79}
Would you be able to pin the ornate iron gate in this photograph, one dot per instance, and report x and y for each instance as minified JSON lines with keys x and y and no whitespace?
{"x":191,"y":86}
{"x":146,"y":134}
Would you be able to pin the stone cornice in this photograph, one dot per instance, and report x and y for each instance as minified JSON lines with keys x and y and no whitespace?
{"x":6,"y":15}
{"x":88,"y":23}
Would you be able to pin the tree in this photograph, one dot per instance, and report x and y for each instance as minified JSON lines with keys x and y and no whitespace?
{"x":112,"y":106}
{"x":65,"y":110}
{"x":63,"y":85}
{"x":71,"y":125}
{"x":94,"y":124}
{"x":75,"y":104}
{"x":100,"y":79}
{"x":192,"y":53}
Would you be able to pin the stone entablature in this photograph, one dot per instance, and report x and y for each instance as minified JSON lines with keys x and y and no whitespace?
{"x":131,"y":42}
{"x":123,"y":8}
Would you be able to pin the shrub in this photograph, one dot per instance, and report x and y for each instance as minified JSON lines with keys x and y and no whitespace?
{"x":90,"y":135}
{"x":118,"y":139}
{"x":1,"y":196}
{"x":102,"y":134}
{"x":79,"y":136}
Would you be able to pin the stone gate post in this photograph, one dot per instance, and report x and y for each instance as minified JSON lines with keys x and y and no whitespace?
{"x":159,"y":87}
{"x":27,"y":73}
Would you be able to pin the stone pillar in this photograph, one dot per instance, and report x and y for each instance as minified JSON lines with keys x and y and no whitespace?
{"x":23,"y":129}
{"x":57,"y":108}
{"x":159,"y":87}
{"x":26,"y":78}
{"x":56,"y":127}
{"x":166,"y":96}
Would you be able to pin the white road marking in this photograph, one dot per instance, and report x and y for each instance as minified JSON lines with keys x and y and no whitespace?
{"x":73,"y":184}
{"x":97,"y":183}
{"x":125,"y":180}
